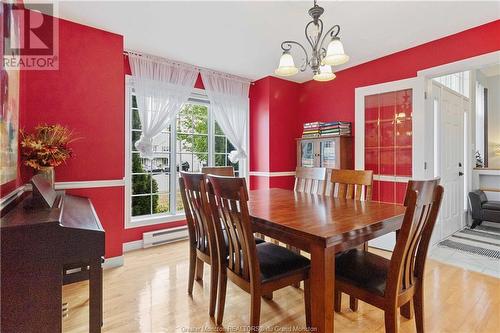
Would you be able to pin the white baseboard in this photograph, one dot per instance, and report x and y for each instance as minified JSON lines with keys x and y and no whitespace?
{"x":113,"y":262}
{"x":131,"y":246}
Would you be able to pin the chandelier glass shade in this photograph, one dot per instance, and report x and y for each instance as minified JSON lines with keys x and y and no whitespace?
{"x":322,"y":56}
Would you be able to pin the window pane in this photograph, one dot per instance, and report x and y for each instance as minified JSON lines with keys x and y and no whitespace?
{"x":184,"y":143}
{"x":218,"y":130}
{"x":230,"y":147}
{"x":135,"y":136}
{"x":179,"y":206}
{"x":161,"y":183}
{"x":184,"y":124}
{"x":138,"y":163}
{"x":199,"y":160}
{"x":161,"y":203}
{"x":161,"y":143}
{"x":185,"y":162}
{"x":160,"y":164}
{"x":200,"y":143}
{"x":220,"y":159}
{"x":141,"y":184}
{"x":141,"y":205}
{"x":134,"y":101}
{"x":220,"y":144}
{"x":136,"y":122}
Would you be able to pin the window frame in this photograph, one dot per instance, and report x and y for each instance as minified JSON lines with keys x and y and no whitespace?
{"x":198,"y":97}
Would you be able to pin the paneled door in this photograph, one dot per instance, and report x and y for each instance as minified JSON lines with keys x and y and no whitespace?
{"x":449,"y":108}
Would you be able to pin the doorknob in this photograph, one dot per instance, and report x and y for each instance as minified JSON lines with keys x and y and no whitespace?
{"x":460,"y":173}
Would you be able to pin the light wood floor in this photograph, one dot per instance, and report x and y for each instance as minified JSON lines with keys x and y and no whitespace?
{"x":148,"y":294}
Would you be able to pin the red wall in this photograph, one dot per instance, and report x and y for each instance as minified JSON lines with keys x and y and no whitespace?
{"x":273,"y":122}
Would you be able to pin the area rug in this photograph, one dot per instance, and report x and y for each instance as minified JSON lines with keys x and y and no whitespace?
{"x":483,"y":240}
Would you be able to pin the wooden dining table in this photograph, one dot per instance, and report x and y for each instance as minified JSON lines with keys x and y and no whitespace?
{"x":322,"y":226}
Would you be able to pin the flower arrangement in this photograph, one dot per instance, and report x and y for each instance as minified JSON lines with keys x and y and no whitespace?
{"x":47,"y":146}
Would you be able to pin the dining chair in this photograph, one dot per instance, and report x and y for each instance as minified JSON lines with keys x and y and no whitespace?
{"x":351,"y":184}
{"x":310,"y":180}
{"x":202,"y":242}
{"x":391,"y":284}
{"x":258,"y":269}
{"x":219,"y":171}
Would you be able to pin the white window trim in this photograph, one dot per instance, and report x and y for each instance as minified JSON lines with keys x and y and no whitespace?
{"x":147,"y":220}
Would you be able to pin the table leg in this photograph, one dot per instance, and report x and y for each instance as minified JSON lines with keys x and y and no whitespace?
{"x":322,"y":277}
{"x":95,"y":296}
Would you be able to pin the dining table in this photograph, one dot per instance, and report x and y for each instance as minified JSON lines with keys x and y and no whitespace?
{"x":322,"y":226}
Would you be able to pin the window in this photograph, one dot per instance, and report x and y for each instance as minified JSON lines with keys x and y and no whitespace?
{"x":458,"y":82}
{"x":191,"y":141}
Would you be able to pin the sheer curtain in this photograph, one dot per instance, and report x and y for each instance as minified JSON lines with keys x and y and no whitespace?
{"x":229,"y":102}
{"x":161,"y":87}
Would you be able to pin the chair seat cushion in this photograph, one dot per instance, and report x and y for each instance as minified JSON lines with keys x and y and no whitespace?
{"x":276,"y":261}
{"x":362,"y":269}
{"x":491,"y":205}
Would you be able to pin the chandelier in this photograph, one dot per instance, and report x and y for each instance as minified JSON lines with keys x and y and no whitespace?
{"x":322,"y":59}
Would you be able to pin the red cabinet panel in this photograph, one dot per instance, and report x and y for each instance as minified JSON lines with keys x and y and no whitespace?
{"x":388,"y":141}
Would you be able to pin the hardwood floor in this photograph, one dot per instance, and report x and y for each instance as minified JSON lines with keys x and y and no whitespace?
{"x":149,"y":294}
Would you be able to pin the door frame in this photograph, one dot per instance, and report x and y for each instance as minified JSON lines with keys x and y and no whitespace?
{"x":418,"y":124}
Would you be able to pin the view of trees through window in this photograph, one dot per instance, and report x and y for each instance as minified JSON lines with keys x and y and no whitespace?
{"x":198,"y":141}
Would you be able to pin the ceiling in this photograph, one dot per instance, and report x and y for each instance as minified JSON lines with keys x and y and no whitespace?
{"x":243,"y":37}
{"x":493,"y":70}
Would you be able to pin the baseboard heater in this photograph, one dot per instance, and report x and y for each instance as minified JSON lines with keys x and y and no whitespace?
{"x":164,"y":236}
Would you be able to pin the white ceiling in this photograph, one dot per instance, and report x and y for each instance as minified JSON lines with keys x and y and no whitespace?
{"x":491,"y":71}
{"x":243,"y":37}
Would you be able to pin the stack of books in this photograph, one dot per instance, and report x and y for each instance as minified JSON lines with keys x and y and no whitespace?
{"x":335,"y":128}
{"x":312,"y":130}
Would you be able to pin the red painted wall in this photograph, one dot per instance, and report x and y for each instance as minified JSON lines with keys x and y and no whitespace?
{"x":273,"y":124}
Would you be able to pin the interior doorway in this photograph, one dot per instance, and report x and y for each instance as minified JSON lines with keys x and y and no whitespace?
{"x":450,"y":110}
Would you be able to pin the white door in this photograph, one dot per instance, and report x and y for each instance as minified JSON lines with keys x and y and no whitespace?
{"x":449,"y":136}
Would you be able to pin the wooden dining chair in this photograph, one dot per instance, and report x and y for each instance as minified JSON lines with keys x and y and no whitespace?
{"x":227,"y":171}
{"x":310,"y":180}
{"x":202,"y":242}
{"x":351,"y":184}
{"x":258,"y":269}
{"x":391,"y":284}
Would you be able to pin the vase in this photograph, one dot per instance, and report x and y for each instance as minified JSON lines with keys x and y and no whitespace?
{"x":48,"y":173}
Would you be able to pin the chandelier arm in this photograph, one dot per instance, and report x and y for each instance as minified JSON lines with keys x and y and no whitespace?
{"x":309,"y":40}
{"x":333,"y":32}
{"x":287,"y":46}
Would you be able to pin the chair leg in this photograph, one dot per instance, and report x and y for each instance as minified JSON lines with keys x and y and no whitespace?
{"x":192,"y":267}
{"x":199,"y":269}
{"x":391,"y":320}
{"x":307,"y":301}
{"x":221,"y":297}
{"x":214,"y":275}
{"x":337,"y":301}
{"x":353,"y":303}
{"x":418,"y":299}
{"x":268,"y":296}
{"x":294,"y":250}
{"x":255,"y":311}
{"x":475,"y":223}
{"x":407,"y":310}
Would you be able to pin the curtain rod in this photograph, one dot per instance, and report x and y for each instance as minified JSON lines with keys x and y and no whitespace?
{"x":179,"y":63}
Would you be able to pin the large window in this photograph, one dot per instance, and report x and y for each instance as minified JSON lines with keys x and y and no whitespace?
{"x":191,"y":141}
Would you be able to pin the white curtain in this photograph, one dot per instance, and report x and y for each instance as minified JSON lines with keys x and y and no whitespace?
{"x":229,"y":102}
{"x":161,"y":87}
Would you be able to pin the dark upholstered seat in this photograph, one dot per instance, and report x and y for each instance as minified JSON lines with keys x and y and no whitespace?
{"x":363,"y":269}
{"x":276,"y":261}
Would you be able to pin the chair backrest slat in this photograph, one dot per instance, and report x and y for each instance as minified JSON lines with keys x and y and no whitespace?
{"x":310,"y":180}
{"x":228,"y":197}
{"x":422,"y":201}
{"x":351,"y":184}
{"x":194,"y":197}
{"x":227,"y":171}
